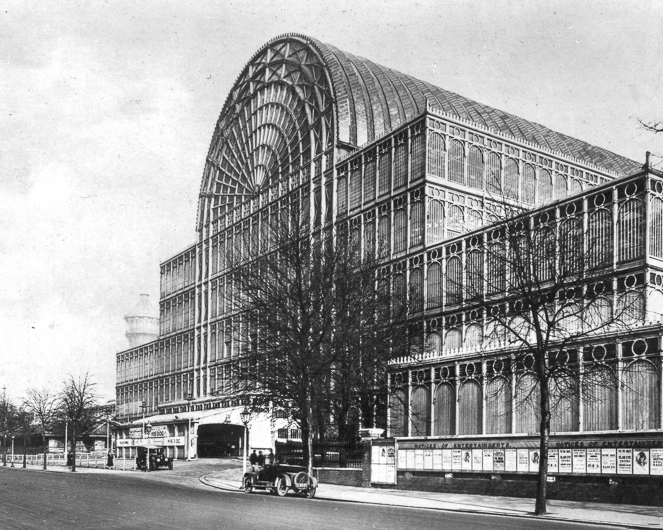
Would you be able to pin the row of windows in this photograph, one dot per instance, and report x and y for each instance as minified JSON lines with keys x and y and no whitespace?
{"x":511,"y":405}
{"x":178,"y":274}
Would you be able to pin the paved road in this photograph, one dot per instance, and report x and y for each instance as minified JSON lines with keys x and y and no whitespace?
{"x":34,"y":499}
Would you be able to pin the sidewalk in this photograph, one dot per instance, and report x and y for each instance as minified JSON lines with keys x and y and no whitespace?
{"x":617,"y":515}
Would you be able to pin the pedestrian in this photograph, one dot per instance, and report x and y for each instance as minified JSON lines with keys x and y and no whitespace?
{"x":70,"y":460}
{"x":270,"y":457}
{"x":109,"y":461}
{"x":261,"y":459}
{"x":254,"y":460}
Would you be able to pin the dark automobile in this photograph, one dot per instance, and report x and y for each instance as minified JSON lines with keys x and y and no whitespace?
{"x":279,"y":479}
{"x":155,"y":456}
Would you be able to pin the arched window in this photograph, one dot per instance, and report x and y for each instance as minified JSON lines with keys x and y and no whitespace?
{"x":456,"y":221}
{"x":470,"y":408}
{"x":526,"y":404}
{"x":545,"y":191}
{"x":400,"y":164}
{"x":575,"y":187}
{"x":400,"y":230}
{"x":434,"y":284}
{"x":454,"y":280}
{"x":355,"y":188}
{"x":400,"y":295}
{"x":656,"y":227}
{"x":475,"y":168}
{"x":631,"y":307}
{"x":599,"y":399}
{"x":570,"y":235}
{"x":445,"y":410}
{"x":435,"y":221}
{"x":420,"y":413}
{"x":384,"y":234}
{"x":494,"y":174}
{"x":631,"y":230}
{"x":436,"y":155}
{"x":529,"y":184}
{"x":456,"y":162}
{"x":398,"y":419}
{"x":599,"y":239}
{"x":498,"y":406}
{"x":564,"y":403}
{"x":384,"y":178}
{"x":544,"y":250}
{"x":473,"y":336}
{"x":474,"y":265}
{"x":454,"y":340}
{"x":434,"y":344}
{"x":369,"y":180}
{"x":598,"y":313}
{"x":417,"y":289}
{"x":474,"y":219}
{"x":511,"y":179}
{"x":640,"y":402}
{"x":496,"y":263}
{"x":560,"y":187}
{"x":416,"y":223}
{"x":417,"y":164}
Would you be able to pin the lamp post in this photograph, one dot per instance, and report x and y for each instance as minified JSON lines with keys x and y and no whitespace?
{"x":143,"y":406}
{"x":12,"y":450}
{"x":245,"y":417}
{"x":189,"y":398}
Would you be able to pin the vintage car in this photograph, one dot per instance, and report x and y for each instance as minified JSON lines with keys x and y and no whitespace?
{"x":279,"y":479}
{"x":152,"y":458}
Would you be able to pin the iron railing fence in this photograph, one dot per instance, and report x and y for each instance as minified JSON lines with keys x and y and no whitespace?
{"x":326,"y":453}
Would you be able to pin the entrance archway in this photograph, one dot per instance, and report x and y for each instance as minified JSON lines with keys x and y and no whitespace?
{"x":218,"y":440}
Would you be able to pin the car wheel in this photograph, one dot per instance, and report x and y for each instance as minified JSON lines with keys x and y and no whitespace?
{"x":301,"y":479}
{"x":310,"y":493}
{"x":170,"y":465}
{"x":281,"y":487}
{"x":247,"y":485}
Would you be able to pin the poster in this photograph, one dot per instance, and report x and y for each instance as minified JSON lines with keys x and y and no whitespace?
{"x":579,"y":461}
{"x":498,"y":459}
{"x":656,"y":462}
{"x":466,"y":464}
{"x":510,"y":460}
{"x":418,"y":459}
{"x":375,"y":454}
{"x":456,"y":457}
{"x":446,"y":459}
{"x":553,"y":460}
{"x":428,"y":459}
{"x":488,"y":460}
{"x":522,"y":463}
{"x":437,"y":459}
{"x":410,"y":459}
{"x":534,"y":460}
{"x":641,"y":461}
{"x":624,"y":461}
{"x":608,"y":461}
{"x":565,"y":461}
{"x":391,"y":474}
{"x":402,"y":459}
{"x":593,"y":460}
{"x":477,"y":460}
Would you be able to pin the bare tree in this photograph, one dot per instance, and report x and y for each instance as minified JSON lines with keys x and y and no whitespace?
{"x":42,"y":404}
{"x":651,"y":126}
{"x":543,"y":283}
{"x":312,"y":321}
{"x":78,"y":405}
{"x":8,"y":423}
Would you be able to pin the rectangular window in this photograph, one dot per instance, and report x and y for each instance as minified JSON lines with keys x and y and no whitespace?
{"x":355,"y":188}
{"x":369,"y":179}
{"x":384,"y":185}
{"x":400,"y":164}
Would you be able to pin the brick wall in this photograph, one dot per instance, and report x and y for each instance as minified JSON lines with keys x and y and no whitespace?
{"x":341,"y":476}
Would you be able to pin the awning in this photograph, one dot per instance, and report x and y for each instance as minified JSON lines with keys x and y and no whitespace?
{"x":227,"y":416}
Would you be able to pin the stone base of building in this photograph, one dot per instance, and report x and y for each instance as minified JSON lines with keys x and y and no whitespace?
{"x":339,"y":476}
{"x":646,"y":491}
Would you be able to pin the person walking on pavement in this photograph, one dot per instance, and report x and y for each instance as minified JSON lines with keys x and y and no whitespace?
{"x":261,"y":459}
{"x":270,"y":457}
{"x":253,"y":459}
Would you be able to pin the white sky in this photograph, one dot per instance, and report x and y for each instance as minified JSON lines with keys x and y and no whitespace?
{"x":107,"y":111}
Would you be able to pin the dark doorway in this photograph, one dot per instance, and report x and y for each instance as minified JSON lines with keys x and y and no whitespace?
{"x":216,"y":441}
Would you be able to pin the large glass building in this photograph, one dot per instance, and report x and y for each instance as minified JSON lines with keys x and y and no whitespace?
{"x":422,"y":171}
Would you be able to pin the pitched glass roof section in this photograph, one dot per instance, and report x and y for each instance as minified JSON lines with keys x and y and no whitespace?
{"x":373,"y":99}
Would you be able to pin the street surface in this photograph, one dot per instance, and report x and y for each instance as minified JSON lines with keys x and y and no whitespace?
{"x":176,"y":499}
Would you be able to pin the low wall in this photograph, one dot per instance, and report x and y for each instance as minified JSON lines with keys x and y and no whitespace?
{"x":341,"y":476}
{"x":646,"y":491}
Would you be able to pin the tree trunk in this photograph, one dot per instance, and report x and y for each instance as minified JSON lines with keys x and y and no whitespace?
{"x":544,"y":438}
{"x":73,"y":446}
{"x":25,"y":450}
{"x":43,"y":444}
